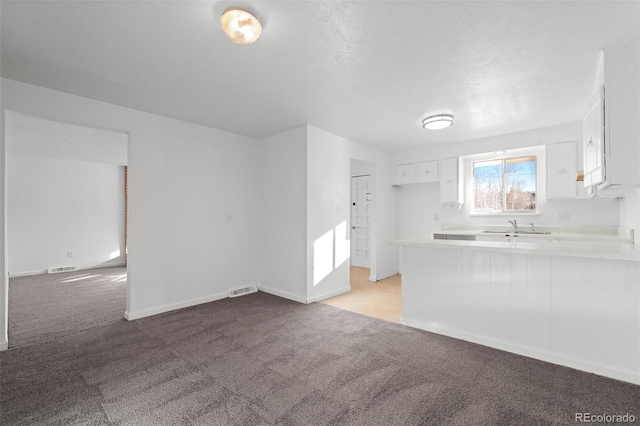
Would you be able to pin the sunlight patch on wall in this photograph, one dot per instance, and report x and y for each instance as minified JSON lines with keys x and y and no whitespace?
{"x":322,"y":257}
{"x":330,"y":251}
{"x":343,"y":245}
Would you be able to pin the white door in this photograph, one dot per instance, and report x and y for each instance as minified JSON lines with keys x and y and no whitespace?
{"x":361,"y":196}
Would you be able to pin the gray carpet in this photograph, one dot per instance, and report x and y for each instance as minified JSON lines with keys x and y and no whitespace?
{"x":44,"y":306}
{"x":262,"y":360}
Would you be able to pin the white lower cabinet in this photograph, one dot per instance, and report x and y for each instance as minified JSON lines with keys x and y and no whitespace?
{"x":580,"y":312}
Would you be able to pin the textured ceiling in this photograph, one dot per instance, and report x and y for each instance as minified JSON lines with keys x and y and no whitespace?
{"x":36,"y":137}
{"x":369,"y":71}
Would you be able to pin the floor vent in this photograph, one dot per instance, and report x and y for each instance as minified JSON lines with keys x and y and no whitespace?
{"x":239,"y":291}
{"x":59,"y":269}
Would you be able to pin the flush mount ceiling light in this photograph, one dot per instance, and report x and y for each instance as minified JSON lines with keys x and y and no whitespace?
{"x":240,"y":26}
{"x":436,"y":122}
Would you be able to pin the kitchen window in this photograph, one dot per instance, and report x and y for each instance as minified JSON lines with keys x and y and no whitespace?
{"x":505,"y":185}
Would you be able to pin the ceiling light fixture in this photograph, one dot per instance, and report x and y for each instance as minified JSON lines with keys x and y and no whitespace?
{"x":240,"y":26}
{"x":436,"y":122}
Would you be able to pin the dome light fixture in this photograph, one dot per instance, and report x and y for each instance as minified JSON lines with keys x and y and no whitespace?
{"x":240,"y":26}
{"x":436,"y":122}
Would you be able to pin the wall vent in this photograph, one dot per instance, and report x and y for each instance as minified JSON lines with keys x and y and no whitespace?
{"x":240,"y":291}
{"x":58,"y":269}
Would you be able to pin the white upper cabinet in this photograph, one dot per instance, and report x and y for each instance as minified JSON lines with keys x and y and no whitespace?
{"x":619,"y":155}
{"x":427,"y":171}
{"x":451,"y":181}
{"x":561,"y":170}
{"x":593,"y":142}
{"x":404,"y":173}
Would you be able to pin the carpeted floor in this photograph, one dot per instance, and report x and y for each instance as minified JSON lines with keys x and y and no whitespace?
{"x":44,"y":306}
{"x":262,"y":360}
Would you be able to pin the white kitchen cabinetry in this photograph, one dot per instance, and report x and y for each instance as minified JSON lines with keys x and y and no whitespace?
{"x":562,"y":171}
{"x":451,"y":181}
{"x":404,"y":173}
{"x":593,"y":142}
{"x":546,"y":306}
{"x":427,"y":171}
{"x":619,"y":153}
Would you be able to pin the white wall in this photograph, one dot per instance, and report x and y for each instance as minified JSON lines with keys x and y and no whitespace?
{"x":283,"y":239}
{"x":306,"y":190}
{"x":54,"y":206}
{"x":184,"y":181}
{"x":419,"y":203}
{"x":358,"y":167}
{"x":328,"y":214}
{"x":4,"y":278}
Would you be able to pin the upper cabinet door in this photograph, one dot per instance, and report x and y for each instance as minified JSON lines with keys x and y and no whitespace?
{"x":561,"y":170}
{"x":593,"y":145}
{"x":404,"y":173}
{"x":450,"y":181}
{"x":427,"y":171}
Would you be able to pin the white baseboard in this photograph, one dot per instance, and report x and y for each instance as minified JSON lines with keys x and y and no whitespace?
{"x":4,"y":345}
{"x":329,"y":294}
{"x":102,"y":265}
{"x":283,"y":294}
{"x":80,"y":268}
{"x":579,"y":364}
{"x":26,"y":273}
{"x":130,"y":316}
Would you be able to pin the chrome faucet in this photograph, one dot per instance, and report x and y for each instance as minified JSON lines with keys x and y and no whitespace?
{"x":514,"y":223}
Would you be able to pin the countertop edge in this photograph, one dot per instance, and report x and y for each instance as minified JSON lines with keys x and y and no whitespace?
{"x":613,"y":251}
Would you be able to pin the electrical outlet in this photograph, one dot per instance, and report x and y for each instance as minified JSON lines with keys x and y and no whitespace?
{"x":229,"y":218}
{"x":562,"y":217}
{"x":70,"y":253}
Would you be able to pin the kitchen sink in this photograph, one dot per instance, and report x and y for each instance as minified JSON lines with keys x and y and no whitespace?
{"x":519,"y":232}
{"x":533,"y":233}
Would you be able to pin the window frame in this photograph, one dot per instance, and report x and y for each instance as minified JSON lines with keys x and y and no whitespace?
{"x":503,"y":160}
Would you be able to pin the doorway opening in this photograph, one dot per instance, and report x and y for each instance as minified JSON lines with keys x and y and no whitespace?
{"x":380,"y":299}
{"x":66,"y":210}
{"x":361,"y":214}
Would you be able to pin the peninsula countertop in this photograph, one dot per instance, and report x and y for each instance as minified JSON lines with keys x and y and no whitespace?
{"x":585,"y":249}
{"x":611,"y":234}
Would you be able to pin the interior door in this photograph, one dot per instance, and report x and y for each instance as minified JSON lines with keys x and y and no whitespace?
{"x":361,"y":196}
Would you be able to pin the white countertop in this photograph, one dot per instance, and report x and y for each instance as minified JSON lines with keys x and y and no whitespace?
{"x":588,"y":249}
{"x":586,"y":234}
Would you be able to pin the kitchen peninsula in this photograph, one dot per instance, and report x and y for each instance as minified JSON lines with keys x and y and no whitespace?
{"x":567,"y":302}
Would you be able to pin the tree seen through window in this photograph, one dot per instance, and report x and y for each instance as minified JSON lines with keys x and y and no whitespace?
{"x":505,"y":185}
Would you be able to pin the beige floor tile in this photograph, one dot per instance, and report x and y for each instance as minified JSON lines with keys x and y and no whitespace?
{"x":379,"y":299}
